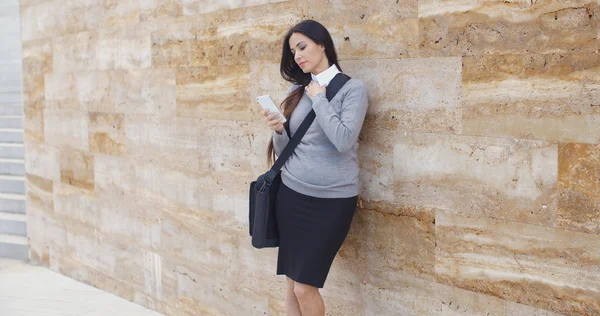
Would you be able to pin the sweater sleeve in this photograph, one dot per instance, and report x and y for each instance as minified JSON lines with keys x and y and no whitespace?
{"x":343,"y":129}
{"x":280,"y":141}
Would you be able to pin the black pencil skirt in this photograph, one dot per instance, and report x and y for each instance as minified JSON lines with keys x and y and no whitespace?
{"x":311,"y":231}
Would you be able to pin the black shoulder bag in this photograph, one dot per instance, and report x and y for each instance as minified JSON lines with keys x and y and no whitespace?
{"x":263,"y":191}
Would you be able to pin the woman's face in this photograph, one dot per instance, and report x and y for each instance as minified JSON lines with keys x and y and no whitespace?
{"x":307,"y":54}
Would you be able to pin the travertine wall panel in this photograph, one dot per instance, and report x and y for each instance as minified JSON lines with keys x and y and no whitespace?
{"x":51,"y":18}
{"x":106,"y":133}
{"x":145,"y":92}
{"x":495,"y":177}
{"x":204,"y":92}
{"x":68,"y":128}
{"x":37,"y":61}
{"x":77,"y":168}
{"x":374,"y":30}
{"x":89,"y":51}
{"x":43,"y":161}
{"x":424,"y":96}
{"x":515,"y":309}
{"x":479,"y":190}
{"x":520,"y":262}
{"x":157,"y":9}
{"x":194,"y":7}
{"x":579,"y":187}
{"x":534,"y":96}
{"x":113,"y":173}
{"x":393,"y":238}
{"x":471,"y":28}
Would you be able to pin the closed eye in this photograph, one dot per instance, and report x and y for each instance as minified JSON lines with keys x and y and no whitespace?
{"x":301,"y":48}
{"x":298,"y":45}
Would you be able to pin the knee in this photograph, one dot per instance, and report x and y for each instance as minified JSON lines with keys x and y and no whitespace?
{"x":290,"y":283}
{"x":303,"y":291}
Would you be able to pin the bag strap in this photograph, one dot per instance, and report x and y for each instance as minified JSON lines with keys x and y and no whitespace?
{"x":332,"y":89}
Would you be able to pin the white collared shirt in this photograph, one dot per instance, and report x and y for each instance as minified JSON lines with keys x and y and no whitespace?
{"x":326,"y":76}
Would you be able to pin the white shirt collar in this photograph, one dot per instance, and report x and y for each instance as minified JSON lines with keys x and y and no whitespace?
{"x":326,"y":76}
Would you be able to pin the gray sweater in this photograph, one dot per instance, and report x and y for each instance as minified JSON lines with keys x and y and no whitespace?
{"x":325,"y":163}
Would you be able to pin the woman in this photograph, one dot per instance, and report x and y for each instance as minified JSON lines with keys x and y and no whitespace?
{"x":317,"y":198}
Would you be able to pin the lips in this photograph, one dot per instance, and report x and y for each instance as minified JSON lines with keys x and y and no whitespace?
{"x":302,"y":64}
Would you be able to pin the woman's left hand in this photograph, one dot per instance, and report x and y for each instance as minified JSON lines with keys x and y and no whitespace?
{"x":313,"y":89}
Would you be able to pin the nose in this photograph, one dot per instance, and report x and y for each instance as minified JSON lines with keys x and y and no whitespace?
{"x":297,"y":56}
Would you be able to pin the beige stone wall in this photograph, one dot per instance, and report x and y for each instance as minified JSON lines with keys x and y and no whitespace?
{"x":480,"y":181}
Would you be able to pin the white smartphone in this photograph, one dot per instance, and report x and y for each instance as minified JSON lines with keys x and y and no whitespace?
{"x":267,"y":103}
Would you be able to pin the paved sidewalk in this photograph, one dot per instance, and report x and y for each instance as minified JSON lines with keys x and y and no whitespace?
{"x":27,"y":290}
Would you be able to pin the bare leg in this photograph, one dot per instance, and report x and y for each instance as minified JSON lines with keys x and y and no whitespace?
{"x":292,"y":307}
{"x":311,"y":302}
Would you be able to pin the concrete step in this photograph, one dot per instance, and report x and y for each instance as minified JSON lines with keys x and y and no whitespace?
{"x":11,"y":109}
{"x":9,"y":53}
{"x":8,"y":8}
{"x":12,"y":184}
{"x":12,"y":166}
{"x":12,"y":203}
{"x":12,"y":150}
{"x":13,"y":224}
{"x":10,"y":80}
{"x":10,"y":48}
{"x":11,"y":121}
{"x":14,"y":96}
{"x":15,"y":68}
{"x":11,"y":135}
{"x":14,"y":247}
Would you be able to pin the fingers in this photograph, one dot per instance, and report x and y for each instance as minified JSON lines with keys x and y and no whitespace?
{"x":314,"y":88}
{"x":277,"y":126}
{"x":274,"y":120}
{"x":274,"y":123}
{"x":270,"y":117}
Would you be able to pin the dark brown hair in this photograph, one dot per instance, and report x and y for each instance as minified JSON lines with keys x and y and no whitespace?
{"x":291,"y":72}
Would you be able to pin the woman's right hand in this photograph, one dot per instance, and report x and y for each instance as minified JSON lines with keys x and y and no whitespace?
{"x":274,"y":121}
